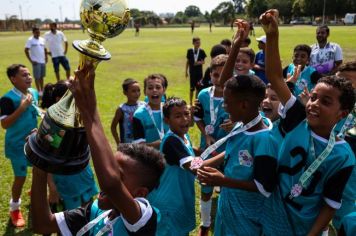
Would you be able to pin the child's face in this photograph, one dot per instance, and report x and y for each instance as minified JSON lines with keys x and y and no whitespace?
{"x":130,"y":179}
{"x":232,"y":105}
{"x":196,"y":44}
{"x":323,"y":108}
{"x":215,"y":75}
{"x":300,"y":58}
{"x":154,"y":90}
{"x":22,"y":80}
{"x":350,"y":75}
{"x":179,"y":120}
{"x":133,"y":92}
{"x":270,"y":105}
{"x":261,"y":45}
{"x":243,"y":64}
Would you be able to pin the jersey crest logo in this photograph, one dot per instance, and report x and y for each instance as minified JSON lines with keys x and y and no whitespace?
{"x":245,"y":158}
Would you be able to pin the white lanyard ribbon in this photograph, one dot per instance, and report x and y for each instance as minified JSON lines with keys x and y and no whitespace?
{"x":196,"y":55}
{"x":209,"y":129}
{"x":149,"y":110}
{"x":305,"y":177}
{"x":92,"y":223}
{"x":239,"y":128}
{"x":349,"y":123}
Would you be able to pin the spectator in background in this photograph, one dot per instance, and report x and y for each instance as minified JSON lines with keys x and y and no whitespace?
{"x":326,"y":56}
{"x":55,"y":40}
{"x":259,"y":66}
{"x":36,"y":53}
{"x":227,"y":44}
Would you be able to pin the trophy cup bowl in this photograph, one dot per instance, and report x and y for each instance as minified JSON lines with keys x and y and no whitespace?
{"x":60,"y":145}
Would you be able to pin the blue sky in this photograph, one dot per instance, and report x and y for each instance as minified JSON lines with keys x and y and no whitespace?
{"x":59,"y":9}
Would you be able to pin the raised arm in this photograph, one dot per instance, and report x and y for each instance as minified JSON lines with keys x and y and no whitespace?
{"x":269,"y":21}
{"x":240,"y":36}
{"x":105,"y":164}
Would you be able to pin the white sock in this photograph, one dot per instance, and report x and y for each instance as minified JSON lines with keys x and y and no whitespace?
{"x":15,"y":205}
{"x":205,"y":210}
{"x":325,"y":232}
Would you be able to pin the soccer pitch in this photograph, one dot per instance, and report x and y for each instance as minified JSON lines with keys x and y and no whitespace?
{"x":160,"y":50}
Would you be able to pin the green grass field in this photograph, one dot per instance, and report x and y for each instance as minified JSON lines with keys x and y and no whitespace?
{"x":154,"y":51}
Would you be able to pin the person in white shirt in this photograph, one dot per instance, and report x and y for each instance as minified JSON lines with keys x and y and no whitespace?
{"x":55,"y":40}
{"x":326,"y":56}
{"x":36,"y":53}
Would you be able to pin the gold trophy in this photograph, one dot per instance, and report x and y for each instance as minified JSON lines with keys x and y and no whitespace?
{"x":60,"y":145}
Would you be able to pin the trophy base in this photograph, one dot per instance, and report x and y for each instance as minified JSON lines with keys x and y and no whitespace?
{"x":53,"y":164}
{"x":92,"y":49}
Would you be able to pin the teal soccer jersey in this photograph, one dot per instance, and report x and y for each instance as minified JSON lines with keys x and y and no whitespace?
{"x":221,"y":116}
{"x":16,"y":134}
{"x":145,"y":129}
{"x":326,"y":185}
{"x":307,"y":78}
{"x":249,"y":156}
{"x":175,"y":196}
{"x":71,"y":222}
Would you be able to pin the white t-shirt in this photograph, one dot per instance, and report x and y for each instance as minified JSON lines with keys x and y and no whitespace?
{"x":54,"y":42}
{"x":323,"y":59}
{"x":37,"y":49}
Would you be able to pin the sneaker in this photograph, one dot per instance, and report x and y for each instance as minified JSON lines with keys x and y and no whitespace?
{"x":203,"y":231}
{"x":17,"y":218}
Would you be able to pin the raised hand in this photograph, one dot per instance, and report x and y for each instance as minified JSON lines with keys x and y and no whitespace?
{"x":243,"y":29}
{"x":269,"y":21}
{"x":26,"y":101}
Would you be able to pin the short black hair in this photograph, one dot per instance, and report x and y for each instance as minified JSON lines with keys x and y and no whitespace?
{"x":13,"y":69}
{"x":249,"y":52}
{"x":165,"y":85}
{"x":347,"y":97}
{"x":195,"y":39}
{"x":348,"y":66}
{"x":53,"y":91}
{"x":217,"y":50}
{"x":324,"y":27}
{"x":152,"y":163}
{"x":226,"y":42}
{"x":154,"y":76}
{"x":218,"y":61}
{"x":127,"y":82}
{"x":247,"y":40}
{"x":247,"y":87}
{"x":35,"y":28}
{"x":170,"y":103}
{"x":304,"y":48}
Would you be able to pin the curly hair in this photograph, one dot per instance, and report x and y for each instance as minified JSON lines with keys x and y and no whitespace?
{"x":348,"y":66}
{"x":347,"y":97}
{"x":247,"y":87}
{"x":170,"y":103}
{"x":152,"y":163}
{"x":218,"y":61}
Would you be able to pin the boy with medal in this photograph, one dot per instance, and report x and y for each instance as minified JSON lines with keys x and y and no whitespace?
{"x":195,"y":60}
{"x":209,"y":116}
{"x":148,"y":123}
{"x":314,"y":164}
{"x":250,"y":164}
{"x":175,"y":197}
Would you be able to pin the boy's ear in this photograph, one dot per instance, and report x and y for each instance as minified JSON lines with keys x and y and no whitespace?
{"x":125,"y":92}
{"x":141,"y":192}
{"x":166,"y":120}
{"x":344,"y":113}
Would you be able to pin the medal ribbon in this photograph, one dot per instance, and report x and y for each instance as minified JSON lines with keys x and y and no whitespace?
{"x":239,"y":128}
{"x":303,"y":180}
{"x":213,"y":112}
{"x":350,"y":121}
{"x":196,"y":56}
{"x":92,"y":223}
{"x":149,"y":110}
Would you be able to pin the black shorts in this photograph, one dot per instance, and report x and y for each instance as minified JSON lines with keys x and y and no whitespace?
{"x":194,"y":79}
